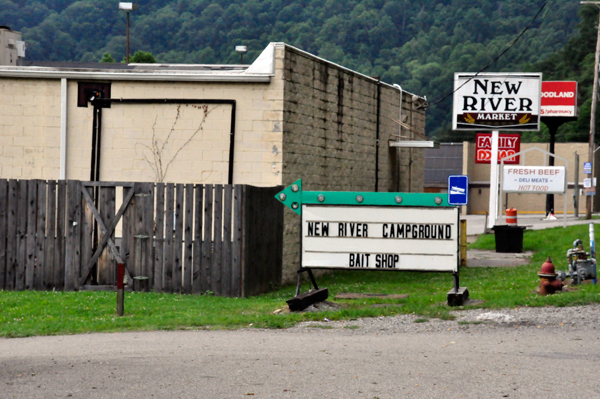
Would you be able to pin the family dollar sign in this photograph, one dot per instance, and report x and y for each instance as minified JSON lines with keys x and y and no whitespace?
{"x":496,"y":101}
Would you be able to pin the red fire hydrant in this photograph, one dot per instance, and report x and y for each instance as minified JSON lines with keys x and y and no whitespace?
{"x":549,"y":284}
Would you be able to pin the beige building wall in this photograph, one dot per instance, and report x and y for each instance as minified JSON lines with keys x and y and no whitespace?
{"x":30,"y":131}
{"x":330,"y":136}
{"x":314,"y":120}
{"x":197,"y":146}
{"x":479,"y":179}
{"x":29,"y":128}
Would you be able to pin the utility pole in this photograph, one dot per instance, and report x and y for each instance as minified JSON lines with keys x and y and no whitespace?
{"x":588,"y":198}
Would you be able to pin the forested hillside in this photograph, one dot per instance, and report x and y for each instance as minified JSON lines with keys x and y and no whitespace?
{"x":417,"y":44}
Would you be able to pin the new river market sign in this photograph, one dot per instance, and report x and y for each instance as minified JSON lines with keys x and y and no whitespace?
{"x":375,"y":231}
{"x":497,"y":101}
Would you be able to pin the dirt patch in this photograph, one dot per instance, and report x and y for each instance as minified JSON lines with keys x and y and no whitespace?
{"x":352,"y":295}
{"x":484,"y":258}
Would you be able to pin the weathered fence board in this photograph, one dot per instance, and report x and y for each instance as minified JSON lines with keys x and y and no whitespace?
{"x":187,"y":236}
{"x":106,"y":263}
{"x":159,"y":240}
{"x":215,"y":270}
{"x":174,"y":238}
{"x":61,"y":220}
{"x":11,"y":234}
{"x":3,"y":230}
{"x":87,"y":230}
{"x":197,"y":247}
{"x":226,"y":263}
{"x":40,"y":236}
{"x":262,"y":247}
{"x":50,"y":247}
{"x":177,"y":240}
{"x":168,"y":251}
{"x":21,"y":236}
{"x":236,"y":245}
{"x":207,"y":239}
{"x":31,"y":226}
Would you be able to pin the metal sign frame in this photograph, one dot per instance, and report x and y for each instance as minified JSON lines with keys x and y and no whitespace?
{"x":294,"y":197}
{"x":522,"y":155}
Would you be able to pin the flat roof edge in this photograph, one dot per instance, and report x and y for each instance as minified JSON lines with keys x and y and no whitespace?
{"x":171,"y":77}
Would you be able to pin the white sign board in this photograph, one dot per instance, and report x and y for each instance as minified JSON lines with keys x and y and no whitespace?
{"x":497,"y":101}
{"x":380,"y":238}
{"x":534,"y":179}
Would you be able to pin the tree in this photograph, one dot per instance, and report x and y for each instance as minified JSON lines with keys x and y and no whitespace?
{"x":161,"y":152}
{"x":106,"y":57}
{"x":142,"y":57}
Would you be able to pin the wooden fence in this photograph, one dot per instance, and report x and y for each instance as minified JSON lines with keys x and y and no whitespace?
{"x":181,"y":238}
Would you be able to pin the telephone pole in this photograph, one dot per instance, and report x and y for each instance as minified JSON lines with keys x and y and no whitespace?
{"x":588,"y":198}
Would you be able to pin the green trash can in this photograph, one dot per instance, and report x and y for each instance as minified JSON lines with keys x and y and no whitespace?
{"x":509,"y":239}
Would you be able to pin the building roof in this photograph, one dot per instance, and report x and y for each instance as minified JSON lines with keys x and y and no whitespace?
{"x":261,"y":70}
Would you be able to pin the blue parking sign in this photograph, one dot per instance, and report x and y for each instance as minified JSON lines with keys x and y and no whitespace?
{"x":458,"y":190}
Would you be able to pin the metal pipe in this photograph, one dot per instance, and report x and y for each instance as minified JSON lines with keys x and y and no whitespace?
{"x":127,"y":55}
{"x":94,"y":135}
{"x":399,"y":135}
{"x":377,"y":137}
{"x":63,"y":129}
{"x":98,"y":143}
{"x":120,"y":289}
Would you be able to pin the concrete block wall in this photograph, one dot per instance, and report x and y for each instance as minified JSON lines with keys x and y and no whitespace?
{"x":329,"y":136}
{"x":29,"y":128}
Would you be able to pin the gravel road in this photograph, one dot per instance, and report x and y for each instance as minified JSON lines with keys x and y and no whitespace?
{"x":515,"y":353}
{"x":470,"y":321}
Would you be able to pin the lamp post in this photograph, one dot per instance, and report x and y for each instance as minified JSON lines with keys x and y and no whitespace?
{"x":241,"y":50}
{"x":588,"y":199}
{"x":127,"y":7}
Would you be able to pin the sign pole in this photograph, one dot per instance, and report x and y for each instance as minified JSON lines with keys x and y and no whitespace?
{"x":493,"y":210}
{"x":588,"y":198}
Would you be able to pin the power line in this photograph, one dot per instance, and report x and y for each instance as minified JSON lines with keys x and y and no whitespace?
{"x":497,"y":57}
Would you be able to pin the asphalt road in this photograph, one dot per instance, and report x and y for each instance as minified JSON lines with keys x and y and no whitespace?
{"x":509,"y":362}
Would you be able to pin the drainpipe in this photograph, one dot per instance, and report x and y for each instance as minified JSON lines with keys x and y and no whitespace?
{"x":98,"y":102}
{"x":399,"y":134}
{"x":63,"y":129}
{"x":377,"y":135}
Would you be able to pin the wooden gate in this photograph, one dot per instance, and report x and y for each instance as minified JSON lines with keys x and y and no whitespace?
{"x":180,"y":238}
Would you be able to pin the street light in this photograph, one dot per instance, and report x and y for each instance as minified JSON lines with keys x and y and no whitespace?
{"x":127,"y":7}
{"x":241,"y":50}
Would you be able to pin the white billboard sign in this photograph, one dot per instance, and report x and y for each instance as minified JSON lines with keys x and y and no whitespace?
{"x":380,"y":238}
{"x":497,"y":101}
{"x":534,"y":179}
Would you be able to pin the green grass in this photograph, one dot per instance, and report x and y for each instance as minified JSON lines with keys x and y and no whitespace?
{"x":49,"y":313}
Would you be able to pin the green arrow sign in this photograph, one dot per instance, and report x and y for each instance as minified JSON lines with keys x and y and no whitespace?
{"x":293,"y":197}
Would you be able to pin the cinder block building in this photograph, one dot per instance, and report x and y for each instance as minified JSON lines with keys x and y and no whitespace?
{"x":288,"y":115}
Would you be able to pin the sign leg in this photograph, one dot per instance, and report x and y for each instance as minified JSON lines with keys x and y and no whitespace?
{"x":456,"y":281}
{"x":299,"y":282}
{"x":312,"y":279}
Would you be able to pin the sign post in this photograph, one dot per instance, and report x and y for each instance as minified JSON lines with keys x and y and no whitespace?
{"x":497,"y":101}
{"x":376,"y":231}
{"x":558,"y":106}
